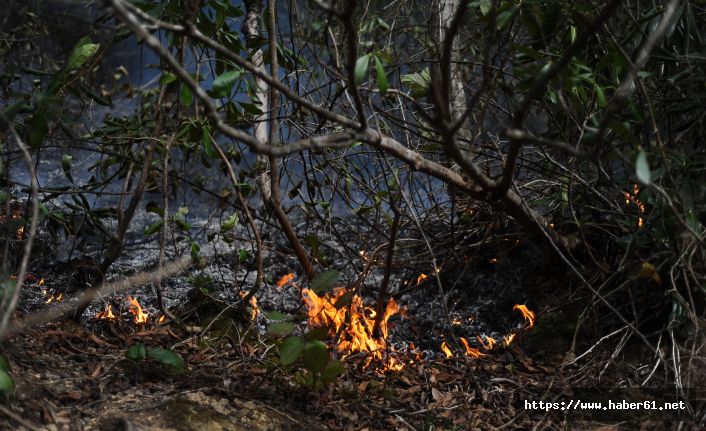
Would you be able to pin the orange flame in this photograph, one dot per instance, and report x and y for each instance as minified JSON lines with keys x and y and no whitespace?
{"x":633,"y":198}
{"x":488,"y":343}
{"x":445,"y":348}
{"x":254,"y":309}
{"x":106,"y":314}
{"x":507,"y":339}
{"x":471,"y":351}
{"x":136,"y":310}
{"x":526,"y":313}
{"x":422,"y":277}
{"x":286,"y":279}
{"x":20,"y":232}
{"x":54,"y":298}
{"x":352,"y":323}
{"x":162,"y":319}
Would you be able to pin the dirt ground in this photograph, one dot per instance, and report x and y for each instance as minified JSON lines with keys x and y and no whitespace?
{"x":73,"y":377}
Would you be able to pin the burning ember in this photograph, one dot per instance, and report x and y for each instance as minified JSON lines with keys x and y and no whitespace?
{"x":421,"y":278}
{"x":136,"y":310}
{"x":632,"y":198}
{"x":285,"y":280}
{"x":352,"y":324}
{"x":55,"y":298}
{"x":107,"y":314}
{"x":445,"y":348}
{"x":162,"y":319}
{"x":526,"y":313}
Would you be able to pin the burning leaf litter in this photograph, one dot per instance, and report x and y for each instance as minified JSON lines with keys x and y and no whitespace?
{"x":351,"y":324}
{"x":136,"y":309}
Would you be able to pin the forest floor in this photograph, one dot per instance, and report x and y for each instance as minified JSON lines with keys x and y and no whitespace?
{"x":71,"y":376}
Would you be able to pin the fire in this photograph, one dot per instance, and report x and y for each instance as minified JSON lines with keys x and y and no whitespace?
{"x":162,"y":319}
{"x":106,"y":314}
{"x":20,"y":232}
{"x":526,"y":313}
{"x":488,"y":343}
{"x":632,"y":197}
{"x":507,"y":339}
{"x":136,"y":310}
{"x":352,"y":324}
{"x":445,"y":348}
{"x":55,"y":298}
{"x":286,"y":279}
{"x":471,"y":351}
{"x":422,"y":277}
{"x":255,"y":310}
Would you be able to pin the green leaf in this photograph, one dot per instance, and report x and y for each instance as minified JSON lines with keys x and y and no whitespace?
{"x":208,"y":148}
{"x":332,"y":370}
{"x":223,"y":84}
{"x":279,"y":317}
{"x":185,"y":96}
{"x":642,"y":168}
{"x":485,"y":6}
{"x":325,"y":281}
{"x":136,"y":352}
{"x":83,"y":50}
{"x":229,"y":223}
{"x":167,"y":357}
{"x":4,"y":364}
{"x":167,"y":78}
{"x":6,"y":383}
{"x":381,"y":77}
{"x":318,"y":333}
{"x":315,"y":355}
{"x":361,"y":67}
{"x":66,"y":166}
{"x":600,"y":96}
{"x":280,"y":329}
{"x":417,"y":82}
{"x":290,"y":350}
{"x":38,"y":128}
{"x":154,"y":228}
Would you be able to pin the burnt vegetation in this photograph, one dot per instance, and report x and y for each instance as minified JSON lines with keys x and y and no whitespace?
{"x":349,"y":215}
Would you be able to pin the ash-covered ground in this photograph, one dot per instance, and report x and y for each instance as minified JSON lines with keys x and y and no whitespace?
{"x":480,"y":286}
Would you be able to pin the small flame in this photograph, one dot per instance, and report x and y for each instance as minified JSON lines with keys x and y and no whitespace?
{"x":21,"y":232}
{"x":456,"y":322}
{"x":488,"y":343}
{"x":162,"y":319}
{"x":422,"y":277}
{"x":137,"y":311}
{"x":106,"y":314}
{"x":493,"y":260}
{"x":54,"y":298}
{"x":471,"y":351}
{"x":633,"y":198}
{"x":445,"y":348}
{"x":508,"y":339}
{"x":255,"y":310}
{"x":286,"y":279}
{"x":526,"y":313}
